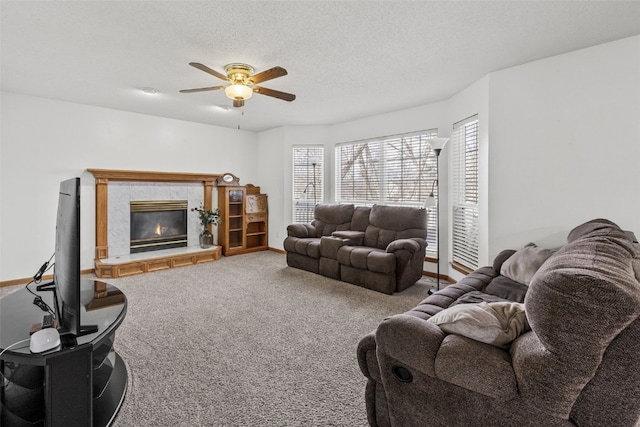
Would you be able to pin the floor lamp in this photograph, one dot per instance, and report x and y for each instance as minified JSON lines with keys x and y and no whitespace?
{"x":437,"y":144}
{"x":304,"y":195}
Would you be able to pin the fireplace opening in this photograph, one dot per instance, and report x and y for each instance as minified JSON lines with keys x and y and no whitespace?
{"x":158,"y":224}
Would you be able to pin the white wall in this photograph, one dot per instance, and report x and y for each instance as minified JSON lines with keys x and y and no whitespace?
{"x":564,"y":145}
{"x":273,"y":179}
{"x":560,"y":144}
{"x":45,"y":141}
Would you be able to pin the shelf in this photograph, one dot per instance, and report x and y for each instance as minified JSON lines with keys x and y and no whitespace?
{"x":244,"y":219}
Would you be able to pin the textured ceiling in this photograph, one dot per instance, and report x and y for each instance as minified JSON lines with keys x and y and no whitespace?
{"x":346,"y":59}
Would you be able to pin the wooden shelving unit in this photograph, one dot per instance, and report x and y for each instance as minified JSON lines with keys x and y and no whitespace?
{"x":244,"y":215}
{"x":256,"y":220}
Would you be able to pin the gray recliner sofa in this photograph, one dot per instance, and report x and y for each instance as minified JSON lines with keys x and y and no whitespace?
{"x":576,"y":362}
{"x":379,"y":247}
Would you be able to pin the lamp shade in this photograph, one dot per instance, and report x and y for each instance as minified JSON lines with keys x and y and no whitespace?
{"x":438,"y":143}
{"x":238,"y":92}
{"x":431,"y":201}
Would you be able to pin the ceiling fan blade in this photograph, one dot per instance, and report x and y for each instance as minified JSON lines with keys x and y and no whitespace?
{"x":201,"y":89}
{"x":274,"y":93}
{"x":209,"y":70}
{"x":269,"y":74}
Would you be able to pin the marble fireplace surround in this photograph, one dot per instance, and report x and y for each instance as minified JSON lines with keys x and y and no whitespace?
{"x":115,"y":189}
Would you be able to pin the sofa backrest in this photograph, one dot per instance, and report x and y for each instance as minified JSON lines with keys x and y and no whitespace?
{"x":582,"y":298}
{"x":360,"y":219}
{"x":332,"y":217}
{"x":389,"y":223}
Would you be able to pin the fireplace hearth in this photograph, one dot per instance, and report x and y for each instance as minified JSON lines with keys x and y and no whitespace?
{"x":158,"y":224}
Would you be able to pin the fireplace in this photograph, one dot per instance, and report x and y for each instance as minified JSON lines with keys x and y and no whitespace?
{"x":158,"y":224}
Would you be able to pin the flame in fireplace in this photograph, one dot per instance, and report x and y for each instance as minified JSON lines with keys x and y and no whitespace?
{"x":158,"y":230}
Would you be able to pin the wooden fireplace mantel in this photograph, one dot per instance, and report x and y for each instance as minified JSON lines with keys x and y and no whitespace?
{"x":104,"y":176}
{"x":150,"y":176}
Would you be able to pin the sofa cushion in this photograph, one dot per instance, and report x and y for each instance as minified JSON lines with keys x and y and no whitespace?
{"x":495,"y":323}
{"x":462,"y":361}
{"x":522,"y":265}
{"x":309,"y":247}
{"x":389,"y":223}
{"x":505,"y":288}
{"x":332,"y":217}
{"x":360,"y":218}
{"x":366,"y":258}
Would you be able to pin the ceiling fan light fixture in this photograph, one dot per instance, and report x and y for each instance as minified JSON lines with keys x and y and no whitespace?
{"x":238,"y":92}
{"x":242,"y":82}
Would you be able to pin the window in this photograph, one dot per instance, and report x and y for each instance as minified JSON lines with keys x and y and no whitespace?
{"x":465,"y":193}
{"x":307,"y":181}
{"x":395,"y":170}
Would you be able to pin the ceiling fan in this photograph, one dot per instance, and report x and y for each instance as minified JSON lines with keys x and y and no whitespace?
{"x":243,"y":81}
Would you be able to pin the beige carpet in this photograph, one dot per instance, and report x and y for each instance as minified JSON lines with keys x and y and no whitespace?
{"x":247,"y":341}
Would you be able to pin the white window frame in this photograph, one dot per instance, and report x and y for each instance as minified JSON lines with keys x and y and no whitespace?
{"x":307,"y":181}
{"x":465,"y":193}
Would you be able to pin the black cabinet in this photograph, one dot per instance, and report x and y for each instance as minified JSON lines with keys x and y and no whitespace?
{"x":82,"y":383}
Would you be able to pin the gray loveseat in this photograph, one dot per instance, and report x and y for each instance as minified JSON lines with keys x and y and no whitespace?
{"x":379,"y":247}
{"x":575,"y":363}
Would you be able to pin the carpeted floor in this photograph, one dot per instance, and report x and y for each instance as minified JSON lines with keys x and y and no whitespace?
{"x":247,"y":341}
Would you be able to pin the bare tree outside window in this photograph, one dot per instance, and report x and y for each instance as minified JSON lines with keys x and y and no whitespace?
{"x":397,"y":170}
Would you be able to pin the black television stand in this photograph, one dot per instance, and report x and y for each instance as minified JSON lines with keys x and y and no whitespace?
{"x":81,"y":383}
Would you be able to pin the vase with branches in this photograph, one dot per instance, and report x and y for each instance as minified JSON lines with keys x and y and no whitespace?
{"x":207,"y":217}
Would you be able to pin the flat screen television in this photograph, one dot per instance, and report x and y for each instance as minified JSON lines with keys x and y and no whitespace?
{"x":66,"y":270}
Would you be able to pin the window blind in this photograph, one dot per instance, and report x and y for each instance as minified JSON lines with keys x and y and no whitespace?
{"x":308,"y":173}
{"x":465,"y":192}
{"x":394,"y":170}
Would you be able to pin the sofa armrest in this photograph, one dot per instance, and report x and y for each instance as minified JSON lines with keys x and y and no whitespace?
{"x":301,"y":230}
{"x":411,"y":245}
{"x":367,"y":357}
{"x":410,"y":340}
{"x":349,"y":237}
{"x":329,"y":246}
{"x":422,"y":346}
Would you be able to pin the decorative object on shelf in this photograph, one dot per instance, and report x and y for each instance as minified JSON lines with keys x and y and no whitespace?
{"x":207,"y":218}
{"x":227,"y":179}
{"x":437,"y":144}
{"x":206,"y":239}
